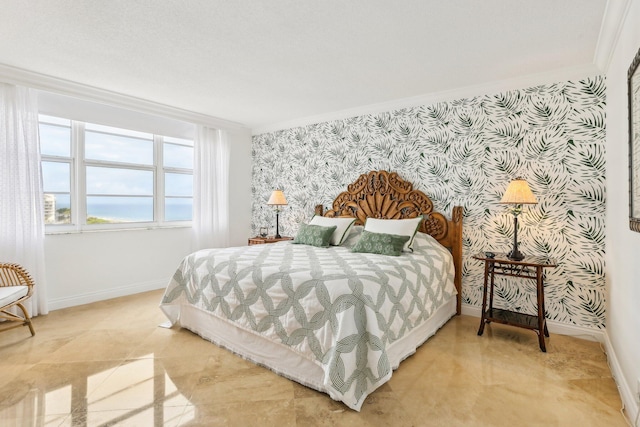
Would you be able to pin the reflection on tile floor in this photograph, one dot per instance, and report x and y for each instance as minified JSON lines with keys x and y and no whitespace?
{"x":108,"y":363}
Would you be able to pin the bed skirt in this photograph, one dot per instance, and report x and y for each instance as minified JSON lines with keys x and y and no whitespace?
{"x":282,"y":359}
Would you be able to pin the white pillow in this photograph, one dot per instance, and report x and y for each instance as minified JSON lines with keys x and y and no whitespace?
{"x":401,"y":227}
{"x":353,"y":235}
{"x":343,"y":225}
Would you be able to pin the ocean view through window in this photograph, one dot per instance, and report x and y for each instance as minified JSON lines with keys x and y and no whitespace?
{"x":98,"y":176}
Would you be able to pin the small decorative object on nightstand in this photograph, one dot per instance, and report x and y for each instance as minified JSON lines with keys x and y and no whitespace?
{"x":263,"y":240}
{"x":530,"y":267}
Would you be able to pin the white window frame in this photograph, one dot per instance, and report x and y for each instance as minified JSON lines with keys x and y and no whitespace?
{"x":171,"y":169}
{"x":78,"y":168}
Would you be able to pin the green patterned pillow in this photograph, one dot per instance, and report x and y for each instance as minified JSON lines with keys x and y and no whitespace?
{"x":401,"y":227}
{"x":380,"y":243}
{"x":314,"y":235}
{"x":343,"y":227}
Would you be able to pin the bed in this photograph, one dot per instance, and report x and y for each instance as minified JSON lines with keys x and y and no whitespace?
{"x":329,"y":318}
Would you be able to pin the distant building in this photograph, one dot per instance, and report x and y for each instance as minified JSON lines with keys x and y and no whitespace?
{"x":49,"y":209}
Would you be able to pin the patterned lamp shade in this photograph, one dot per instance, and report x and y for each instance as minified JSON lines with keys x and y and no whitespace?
{"x":518,"y":193}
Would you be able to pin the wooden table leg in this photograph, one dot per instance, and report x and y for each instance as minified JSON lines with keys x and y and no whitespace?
{"x":492,"y":287}
{"x":542,"y":324}
{"x":544,"y":310}
{"x":546,"y":331}
{"x":484,"y":298}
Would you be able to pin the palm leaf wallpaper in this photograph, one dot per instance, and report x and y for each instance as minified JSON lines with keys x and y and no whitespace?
{"x":465,"y":152}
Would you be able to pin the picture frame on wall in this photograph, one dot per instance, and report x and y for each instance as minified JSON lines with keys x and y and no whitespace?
{"x":633,"y":81}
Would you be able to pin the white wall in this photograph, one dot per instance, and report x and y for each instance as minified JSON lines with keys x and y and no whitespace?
{"x":623,"y":245}
{"x":92,"y":266}
{"x":240,"y":187}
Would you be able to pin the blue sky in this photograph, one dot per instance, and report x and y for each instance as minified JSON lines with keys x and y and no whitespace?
{"x":120,"y":167}
{"x":103,"y":145}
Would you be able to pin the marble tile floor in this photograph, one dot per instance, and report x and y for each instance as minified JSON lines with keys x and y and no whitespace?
{"x":109,"y":364}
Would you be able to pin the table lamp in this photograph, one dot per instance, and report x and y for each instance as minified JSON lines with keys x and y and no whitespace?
{"x":277,"y":199}
{"x":518,"y":193}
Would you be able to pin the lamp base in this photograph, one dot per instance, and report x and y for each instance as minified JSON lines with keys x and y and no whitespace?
{"x":278,"y":236}
{"x":515,"y":255}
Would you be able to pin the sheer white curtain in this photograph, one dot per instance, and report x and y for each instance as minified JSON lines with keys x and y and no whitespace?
{"x":211,"y":189}
{"x":21,"y":199}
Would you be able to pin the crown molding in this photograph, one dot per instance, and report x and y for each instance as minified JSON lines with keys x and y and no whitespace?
{"x":615,"y":14}
{"x":531,"y":80}
{"x":22,"y":77}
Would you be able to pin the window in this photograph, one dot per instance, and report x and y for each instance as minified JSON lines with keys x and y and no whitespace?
{"x":57,"y":169}
{"x":178,"y":179}
{"x":98,"y":176}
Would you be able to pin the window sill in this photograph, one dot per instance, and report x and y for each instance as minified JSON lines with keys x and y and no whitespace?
{"x":58,"y":230}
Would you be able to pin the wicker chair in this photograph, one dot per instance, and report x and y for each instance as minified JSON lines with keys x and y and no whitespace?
{"x":16,"y":285}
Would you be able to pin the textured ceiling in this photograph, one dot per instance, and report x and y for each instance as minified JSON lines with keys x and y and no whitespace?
{"x":260,"y":63}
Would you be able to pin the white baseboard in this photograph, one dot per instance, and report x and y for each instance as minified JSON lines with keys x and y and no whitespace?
{"x":471,"y":310}
{"x":591,"y":334}
{"x":629,"y":402}
{"x":89,"y":297}
{"x":626,"y":394}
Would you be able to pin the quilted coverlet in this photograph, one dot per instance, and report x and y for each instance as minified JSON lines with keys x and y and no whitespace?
{"x":338,"y":309}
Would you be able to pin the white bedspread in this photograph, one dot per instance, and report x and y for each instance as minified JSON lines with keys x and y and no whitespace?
{"x":338,"y":309}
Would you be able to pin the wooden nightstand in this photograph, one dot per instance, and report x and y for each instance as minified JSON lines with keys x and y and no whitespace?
{"x":262,"y":240}
{"x":531,"y":267}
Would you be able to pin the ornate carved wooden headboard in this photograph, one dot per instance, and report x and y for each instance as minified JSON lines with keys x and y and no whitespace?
{"x":382,"y":194}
